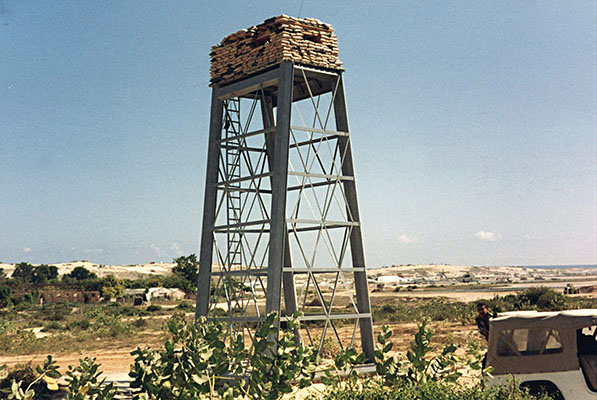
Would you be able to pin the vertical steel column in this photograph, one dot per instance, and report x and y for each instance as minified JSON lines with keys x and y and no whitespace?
{"x":356,"y":238}
{"x":290,"y":302}
{"x":278,"y":229}
{"x":209,"y":206}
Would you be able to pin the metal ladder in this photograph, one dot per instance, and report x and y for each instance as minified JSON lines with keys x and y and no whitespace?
{"x":232,"y":124}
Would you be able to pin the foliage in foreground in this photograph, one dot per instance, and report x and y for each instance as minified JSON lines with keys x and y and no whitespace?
{"x":371,"y":390}
{"x":202,"y":360}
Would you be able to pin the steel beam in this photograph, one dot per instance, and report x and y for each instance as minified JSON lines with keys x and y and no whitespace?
{"x":324,"y":132}
{"x":246,"y":135}
{"x":279,"y":183}
{"x":243,"y":179}
{"x":209,"y":207}
{"x":342,"y":177}
{"x":356,"y":239}
{"x":249,"y":85}
{"x":321,"y":270}
{"x":290,"y":302}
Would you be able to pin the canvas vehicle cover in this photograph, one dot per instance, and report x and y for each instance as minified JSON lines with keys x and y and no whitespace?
{"x":535,"y":342}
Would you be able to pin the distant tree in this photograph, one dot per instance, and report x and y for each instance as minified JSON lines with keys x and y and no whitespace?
{"x":23,"y":273}
{"x":144,"y":283}
{"x":2,"y":275}
{"x":5,"y":293}
{"x":80,"y":274}
{"x":44,"y":273}
{"x":177,"y":281}
{"x":110,"y":287}
{"x":187,"y":267}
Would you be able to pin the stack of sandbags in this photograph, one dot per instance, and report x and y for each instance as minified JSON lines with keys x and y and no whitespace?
{"x":306,"y":41}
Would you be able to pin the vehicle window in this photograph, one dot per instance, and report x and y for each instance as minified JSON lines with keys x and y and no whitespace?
{"x":586,"y":340}
{"x":525,"y":342}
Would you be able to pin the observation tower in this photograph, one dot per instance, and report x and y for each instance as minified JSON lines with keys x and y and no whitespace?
{"x":281,"y":227}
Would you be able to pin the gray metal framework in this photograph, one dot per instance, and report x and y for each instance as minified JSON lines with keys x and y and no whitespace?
{"x":281,"y":226}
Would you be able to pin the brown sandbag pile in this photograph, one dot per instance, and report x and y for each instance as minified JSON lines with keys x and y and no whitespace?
{"x":306,"y":41}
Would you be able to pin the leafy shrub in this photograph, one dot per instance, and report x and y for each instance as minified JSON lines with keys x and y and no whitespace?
{"x":79,"y":274}
{"x":423,"y":368}
{"x":25,"y":383}
{"x":130,"y":311}
{"x":53,"y":326}
{"x":139,"y":323}
{"x":53,"y":312}
{"x":85,"y":382}
{"x":110,"y":325}
{"x":185,"y":307}
{"x":369,"y":389}
{"x":80,"y":324}
{"x":5,"y":293}
{"x":5,"y":326}
{"x":185,"y":273}
{"x":197,"y":358}
{"x":154,"y":308}
{"x":439,"y":309}
{"x":110,"y":287}
{"x":542,"y":298}
{"x":19,"y":342}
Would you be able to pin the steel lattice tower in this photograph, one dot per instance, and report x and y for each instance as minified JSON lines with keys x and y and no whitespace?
{"x":281,"y":227}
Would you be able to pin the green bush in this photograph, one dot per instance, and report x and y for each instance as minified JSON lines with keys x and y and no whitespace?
{"x":5,"y":293}
{"x":85,"y":382}
{"x":53,"y":312}
{"x":185,"y":273}
{"x":542,"y":298}
{"x":186,"y":307}
{"x":5,"y":326}
{"x":25,"y":383}
{"x":53,"y":326}
{"x":369,"y":389}
{"x":439,"y":309}
{"x":19,"y":342}
{"x":26,"y":374}
{"x":109,"y":325}
{"x":139,"y":323}
{"x":154,"y":308}
{"x":79,"y":324}
{"x":197,"y":358}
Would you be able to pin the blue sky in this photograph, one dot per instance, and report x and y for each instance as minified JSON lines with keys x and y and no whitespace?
{"x":474,"y":127}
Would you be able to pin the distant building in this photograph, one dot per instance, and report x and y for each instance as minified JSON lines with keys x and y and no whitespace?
{"x":73,"y":296}
{"x":166,"y":293}
{"x":144,"y":296}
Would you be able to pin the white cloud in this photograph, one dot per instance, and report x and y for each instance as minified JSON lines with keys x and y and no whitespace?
{"x":407,"y":239}
{"x":487,"y":236}
{"x":532,"y":237}
{"x":175,"y":247}
{"x":155,"y":248}
{"x":93,"y":251}
{"x":27,"y":250}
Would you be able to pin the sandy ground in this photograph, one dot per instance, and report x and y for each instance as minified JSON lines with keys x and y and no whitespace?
{"x":121,"y":271}
{"x":449,"y":271}
{"x":115,"y":358}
